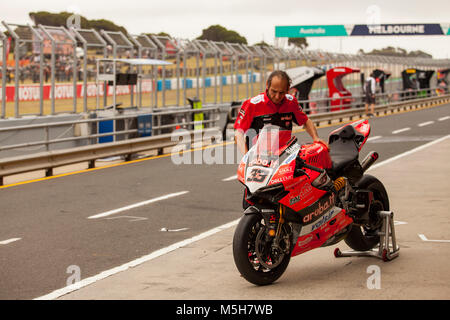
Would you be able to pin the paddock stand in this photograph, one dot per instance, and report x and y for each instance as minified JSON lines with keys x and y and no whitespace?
{"x":387,"y":249}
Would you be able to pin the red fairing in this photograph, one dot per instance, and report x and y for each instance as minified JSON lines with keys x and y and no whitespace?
{"x":361,"y":126}
{"x":339,"y":95}
{"x":318,"y":237}
{"x":316,"y":154}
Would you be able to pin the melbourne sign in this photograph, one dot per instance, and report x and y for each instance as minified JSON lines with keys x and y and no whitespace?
{"x":397,"y":29}
{"x":411,"y":29}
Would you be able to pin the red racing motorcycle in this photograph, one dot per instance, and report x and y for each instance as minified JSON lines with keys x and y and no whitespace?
{"x":301,"y":197}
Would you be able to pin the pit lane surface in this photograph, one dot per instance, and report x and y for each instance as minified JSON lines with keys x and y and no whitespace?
{"x":51,"y":218}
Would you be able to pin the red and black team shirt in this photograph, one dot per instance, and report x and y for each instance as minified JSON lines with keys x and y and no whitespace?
{"x":260,"y":110}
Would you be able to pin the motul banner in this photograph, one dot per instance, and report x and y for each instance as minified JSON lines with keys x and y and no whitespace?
{"x":65,"y":91}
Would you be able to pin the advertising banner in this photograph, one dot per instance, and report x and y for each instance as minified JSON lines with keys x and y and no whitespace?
{"x":397,"y":30}
{"x":310,"y":31}
{"x":404,"y":29}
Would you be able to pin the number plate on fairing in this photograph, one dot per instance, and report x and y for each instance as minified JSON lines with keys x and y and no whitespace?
{"x":257,"y":177}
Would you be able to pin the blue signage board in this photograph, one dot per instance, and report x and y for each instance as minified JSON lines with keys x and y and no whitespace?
{"x":397,"y":30}
{"x":403,"y":29}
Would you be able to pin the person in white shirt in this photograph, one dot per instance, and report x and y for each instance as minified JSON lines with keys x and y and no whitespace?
{"x":370,"y":88}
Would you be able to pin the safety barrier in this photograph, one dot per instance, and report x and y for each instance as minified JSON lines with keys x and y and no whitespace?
{"x":158,"y":124}
{"x":51,"y":159}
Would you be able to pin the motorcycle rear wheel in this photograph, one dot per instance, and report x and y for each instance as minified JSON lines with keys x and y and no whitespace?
{"x":365,"y":237}
{"x":244,"y":253}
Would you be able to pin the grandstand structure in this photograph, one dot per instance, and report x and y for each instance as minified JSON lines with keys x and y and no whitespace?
{"x":52,"y":70}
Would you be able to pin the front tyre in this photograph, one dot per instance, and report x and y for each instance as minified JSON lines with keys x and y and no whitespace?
{"x":248,"y":243}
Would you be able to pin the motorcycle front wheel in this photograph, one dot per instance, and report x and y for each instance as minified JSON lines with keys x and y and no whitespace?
{"x":252,"y":253}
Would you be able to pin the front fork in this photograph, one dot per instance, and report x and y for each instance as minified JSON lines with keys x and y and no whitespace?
{"x":275,"y":222}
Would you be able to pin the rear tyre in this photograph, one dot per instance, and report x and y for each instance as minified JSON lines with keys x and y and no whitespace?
{"x":365,"y":237}
{"x":245,"y":242}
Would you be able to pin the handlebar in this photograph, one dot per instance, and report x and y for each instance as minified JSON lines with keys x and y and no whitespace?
{"x":301,"y":164}
{"x":313,"y":168}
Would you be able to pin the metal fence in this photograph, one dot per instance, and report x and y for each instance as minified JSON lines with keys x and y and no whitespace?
{"x":54,"y":69}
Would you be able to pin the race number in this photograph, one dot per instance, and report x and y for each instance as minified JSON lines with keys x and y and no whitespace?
{"x":257,"y":175}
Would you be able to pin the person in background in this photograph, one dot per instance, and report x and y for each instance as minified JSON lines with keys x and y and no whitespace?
{"x":370,"y":89}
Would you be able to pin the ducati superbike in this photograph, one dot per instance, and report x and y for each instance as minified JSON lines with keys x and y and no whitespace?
{"x":302,"y":197}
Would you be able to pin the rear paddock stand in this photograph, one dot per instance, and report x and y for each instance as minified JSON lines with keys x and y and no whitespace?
{"x":387,"y":249}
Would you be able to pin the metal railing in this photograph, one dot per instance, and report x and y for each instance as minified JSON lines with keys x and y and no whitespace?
{"x":239,"y":67}
{"x":50,"y":159}
{"x":158,"y":127}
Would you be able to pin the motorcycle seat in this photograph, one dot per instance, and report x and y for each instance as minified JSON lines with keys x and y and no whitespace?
{"x":343,"y":149}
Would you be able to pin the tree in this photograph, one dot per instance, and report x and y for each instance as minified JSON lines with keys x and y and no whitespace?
{"x":262,"y":44}
{"x":298,"y":42}
{"x":162,"y":33}
{"x":397,"y":52}
{"x":60,"y":19}
{"x":219,"y":33}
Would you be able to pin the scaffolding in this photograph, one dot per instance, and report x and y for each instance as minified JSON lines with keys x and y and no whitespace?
{"x":89,"y":38}
{"x":23,"y":35}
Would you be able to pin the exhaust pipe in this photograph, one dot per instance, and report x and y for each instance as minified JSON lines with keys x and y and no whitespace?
{"x":369,"y":160}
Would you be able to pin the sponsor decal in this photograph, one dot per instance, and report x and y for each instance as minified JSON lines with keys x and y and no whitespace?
{"x":305,"y":241}
{"x":259,"y":98}
{"x":263,"y":162}
{"x":321,"y":206}
{"x":289,"y":97}
{"x":322,"y":220}
{"x":280,"y":180}
{"x":293,"y":149}
{"x":285,"y":170}
{"x":289,"y":159}
{"x":305,"y":191}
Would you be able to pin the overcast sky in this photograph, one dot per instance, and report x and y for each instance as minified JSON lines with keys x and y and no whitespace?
{"x":256,"y":19}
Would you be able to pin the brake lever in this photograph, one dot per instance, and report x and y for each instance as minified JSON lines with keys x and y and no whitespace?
{"x":300,"y":172}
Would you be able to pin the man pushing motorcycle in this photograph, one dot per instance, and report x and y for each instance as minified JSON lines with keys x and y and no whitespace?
{"x":274,"y":106}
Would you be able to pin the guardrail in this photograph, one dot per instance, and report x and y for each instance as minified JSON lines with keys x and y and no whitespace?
{"x":379,"y":109}
{"x":51,"y":159}
{"x":157,"y":126}
{"x":390,"y":98}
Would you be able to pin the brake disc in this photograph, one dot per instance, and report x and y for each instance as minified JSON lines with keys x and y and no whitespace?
{"x":268,"y":257}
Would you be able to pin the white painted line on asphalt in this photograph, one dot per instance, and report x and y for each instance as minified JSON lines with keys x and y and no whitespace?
{"x":85,"y":282}
{"x":401,"y":155}
{"x":135,"y":205}
{"x":373,"y":138}
{"x":173,"y":230}
{"x":131,"y":218}
{"x":9,"y":241}
{"x":422,"y":236}
{"x":444,"y":118}
{"x":400,"y":130}
{"x":423,"y":124}
{"x":230,"y":178}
